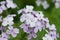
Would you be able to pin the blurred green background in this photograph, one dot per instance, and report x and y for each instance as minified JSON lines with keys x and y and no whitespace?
{"x":52,"y":13}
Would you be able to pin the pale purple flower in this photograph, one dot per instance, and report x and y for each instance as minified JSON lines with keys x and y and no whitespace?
{"x":25,"y":27}
{"x":12,"y":31}
{"x":39,"y":26}
{"x":3,"y":7}
{"x":4,"y":36}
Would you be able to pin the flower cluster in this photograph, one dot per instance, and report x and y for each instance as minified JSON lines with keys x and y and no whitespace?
{"x":6,"y":4}
{"x":34,"y":21}
{"x":57,"y":3}
{"x":43,"y":3}
{"x":51,"y":34}
{"x":11,"y":31}
{"x":8,"y":21}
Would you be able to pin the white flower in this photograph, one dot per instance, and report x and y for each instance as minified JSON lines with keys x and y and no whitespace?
{"x":38,"y":2}
{"x":57,"y":5}
{"x":10,"y":4}
{"x":12,"y":31}
{"x":43,"y":3}
{"x":28,"y":8}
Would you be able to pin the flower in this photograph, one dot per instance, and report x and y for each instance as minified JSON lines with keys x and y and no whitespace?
{"x":25,"y":27}
{"x":51,"y":34}
{"x":26,"y":10}
{"x":57,"y":3}
{"x":4,"y":36}
{"x":12,"y":31}
{"x":52,"y":27}
{"x":3,"y":7}
{"x":31,"y":35}
{"x":30,"y":31}
{"x":8,"y":20}
{"x":10,"y":4}
{"x":43,"y":3}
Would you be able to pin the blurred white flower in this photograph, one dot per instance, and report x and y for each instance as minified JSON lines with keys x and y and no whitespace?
{"x":57,"y":3}
{"x":10,"y":4}
{"x":29,"y":8}
{"x":43,"y":3}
